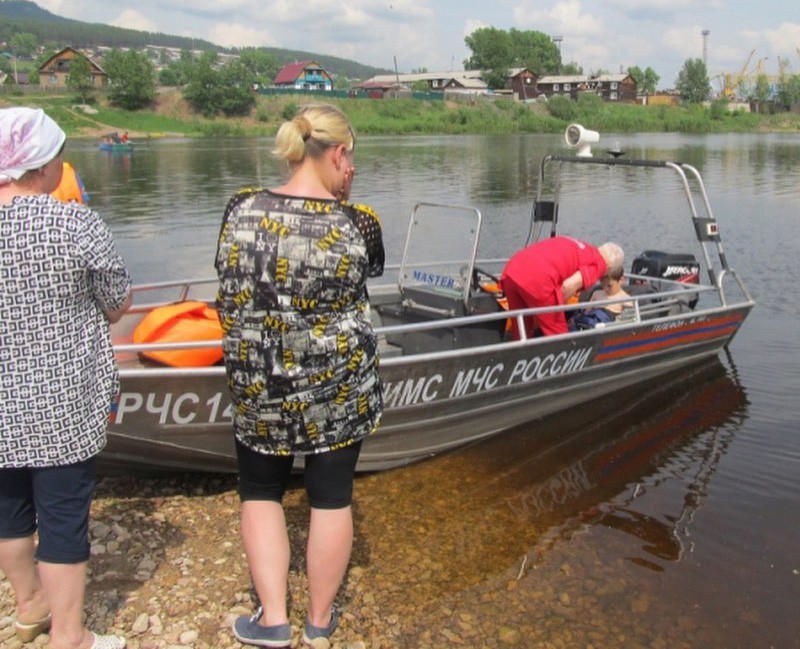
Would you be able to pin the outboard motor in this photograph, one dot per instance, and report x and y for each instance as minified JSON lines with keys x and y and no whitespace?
{"x":677,"y":266}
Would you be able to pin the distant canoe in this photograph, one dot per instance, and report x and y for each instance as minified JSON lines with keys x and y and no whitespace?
{"x":116,"y":147}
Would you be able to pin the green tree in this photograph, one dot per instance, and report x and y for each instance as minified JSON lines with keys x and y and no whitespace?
{"x":491,"y":53}
{"x":238,"y":97}
{"x":261,"y":66}
{"x":169,"y":76}
{"x":646,"y":80}
{"x":178,"y":72}
{"x":205,"y":90}
{"x":420,"y":85}
{"x":79,"y":78}
{"x":571,"y":68}
{"x":692,"y":82}
{"x":495,"y":52}
{"x":534,"y":50}
{"x":23,"y":44}
{"x":132,"y":79}
{"x":788,"y":91}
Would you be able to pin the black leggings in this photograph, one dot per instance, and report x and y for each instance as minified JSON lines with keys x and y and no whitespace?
{"x":328,"y":476}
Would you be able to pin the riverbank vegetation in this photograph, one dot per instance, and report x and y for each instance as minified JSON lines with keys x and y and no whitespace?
{"x":171,"y":115}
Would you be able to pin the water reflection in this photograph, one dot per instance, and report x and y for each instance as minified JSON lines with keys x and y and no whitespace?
{"x":637,"y":463}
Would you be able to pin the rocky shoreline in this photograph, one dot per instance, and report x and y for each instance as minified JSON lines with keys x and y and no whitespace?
{"x":439,"y":561}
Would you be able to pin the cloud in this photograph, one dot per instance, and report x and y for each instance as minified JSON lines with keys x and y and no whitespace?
{"x":564,"y":17}
{"x":471,"y":25}
{"x":784,"y":40}
{"x":58,"y":7}
{"x":236,"y":35}
{"x":131,"y":19}
{"x":658,"y":9}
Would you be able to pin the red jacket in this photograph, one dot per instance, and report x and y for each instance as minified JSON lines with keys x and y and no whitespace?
{"x":534,"y":275}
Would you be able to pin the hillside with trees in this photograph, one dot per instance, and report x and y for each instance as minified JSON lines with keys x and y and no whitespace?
{"x":54,"y":32}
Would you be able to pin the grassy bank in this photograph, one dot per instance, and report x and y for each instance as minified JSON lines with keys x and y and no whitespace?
{"x":171,"y":116}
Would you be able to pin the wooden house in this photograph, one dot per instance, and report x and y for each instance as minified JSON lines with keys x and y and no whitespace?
{"x":304,"y":75}
{"x":611,"y":87}
{"x":53,"y":72}
{"x":468,"y":82}
{"x":522,"y":82}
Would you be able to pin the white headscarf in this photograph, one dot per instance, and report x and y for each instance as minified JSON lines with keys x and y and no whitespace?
{"x":29,"y":139}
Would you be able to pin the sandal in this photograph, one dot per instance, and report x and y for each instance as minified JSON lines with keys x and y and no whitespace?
{"x":29,"y":631}
{"x":248,"y":631}
{"x":312,"y":632}
{"x":107,"y":641}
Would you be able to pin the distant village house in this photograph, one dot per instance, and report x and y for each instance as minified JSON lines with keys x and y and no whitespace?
{"x":611,"y":87}
{"x":521,"y":83}
{"x":304,"y":75}
{"x":53,"y":72}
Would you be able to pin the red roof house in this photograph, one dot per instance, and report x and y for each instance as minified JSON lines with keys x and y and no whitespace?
{"x":304,"y":75}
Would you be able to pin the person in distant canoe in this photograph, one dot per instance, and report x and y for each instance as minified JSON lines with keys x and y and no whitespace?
{"x":61,"y":282}
{"x":301,"y":360}
{"x":549,"y":273}
{"x":71,"y":187}
{"x":124,"y":137}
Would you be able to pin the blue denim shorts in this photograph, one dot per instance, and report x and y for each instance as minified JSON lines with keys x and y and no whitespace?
{"x":53,"y":500}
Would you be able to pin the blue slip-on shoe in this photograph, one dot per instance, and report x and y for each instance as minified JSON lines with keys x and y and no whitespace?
{"x":312,"y":632}
{"x":248,"y":631}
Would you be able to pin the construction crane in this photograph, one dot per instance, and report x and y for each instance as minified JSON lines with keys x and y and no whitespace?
{"x":731,"y":82}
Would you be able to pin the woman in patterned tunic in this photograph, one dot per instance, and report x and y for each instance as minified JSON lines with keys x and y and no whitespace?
{"x":301,"y":359}
{"x":61,"y":282}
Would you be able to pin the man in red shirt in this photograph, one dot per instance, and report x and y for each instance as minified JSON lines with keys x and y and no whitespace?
{"x":550,"y":272}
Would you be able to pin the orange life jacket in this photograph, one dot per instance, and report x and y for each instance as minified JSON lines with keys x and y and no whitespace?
{"x":182,"y":322}
{"x":71,"y":186}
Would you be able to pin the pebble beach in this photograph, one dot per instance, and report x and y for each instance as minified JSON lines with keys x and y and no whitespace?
{"x":434,"y":565}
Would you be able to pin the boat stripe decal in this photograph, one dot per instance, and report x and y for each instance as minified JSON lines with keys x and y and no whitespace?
{"x":658,"y":340}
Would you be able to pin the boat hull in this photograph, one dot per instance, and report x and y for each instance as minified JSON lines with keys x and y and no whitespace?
{"x":116,"y":147}
{"x":451,"y":373}
{"x":179,"y":419}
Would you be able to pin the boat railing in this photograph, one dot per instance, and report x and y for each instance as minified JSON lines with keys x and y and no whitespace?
{"x":643,"y":306}
{"x":179,"y":291}
{"x":721,"y":289}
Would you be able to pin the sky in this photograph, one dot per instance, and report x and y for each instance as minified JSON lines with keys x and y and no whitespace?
{"x":611,"y":35}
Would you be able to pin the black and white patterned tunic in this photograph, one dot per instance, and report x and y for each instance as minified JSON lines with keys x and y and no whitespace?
{"x":300,"y":352}
{"x":59,"y":271}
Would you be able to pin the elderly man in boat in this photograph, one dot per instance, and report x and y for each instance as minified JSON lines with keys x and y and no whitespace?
{"x":550,"y":272}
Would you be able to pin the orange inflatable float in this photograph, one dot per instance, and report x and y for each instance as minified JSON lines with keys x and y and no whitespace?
{"x":182,"y":322}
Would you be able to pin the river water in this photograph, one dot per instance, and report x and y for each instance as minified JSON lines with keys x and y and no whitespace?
{"x":670,"y":512}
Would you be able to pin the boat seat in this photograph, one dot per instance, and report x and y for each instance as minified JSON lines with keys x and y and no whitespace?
{"x":422,"y":303}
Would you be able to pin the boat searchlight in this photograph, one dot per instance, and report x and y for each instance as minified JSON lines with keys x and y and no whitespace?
{"x":581,"y":138}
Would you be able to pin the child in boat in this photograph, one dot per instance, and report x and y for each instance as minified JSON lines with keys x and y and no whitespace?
{"x":610,"y":289}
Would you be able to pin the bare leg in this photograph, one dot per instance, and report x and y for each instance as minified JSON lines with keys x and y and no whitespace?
{"x":65,"y":585}
{"x":330,"y":542}
{"x":266,"y":544}
{"x":19,"y":567}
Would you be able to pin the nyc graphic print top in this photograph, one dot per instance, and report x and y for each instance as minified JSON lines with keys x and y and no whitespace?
{"x":300,"y":353}
{"x":59,"y":271}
